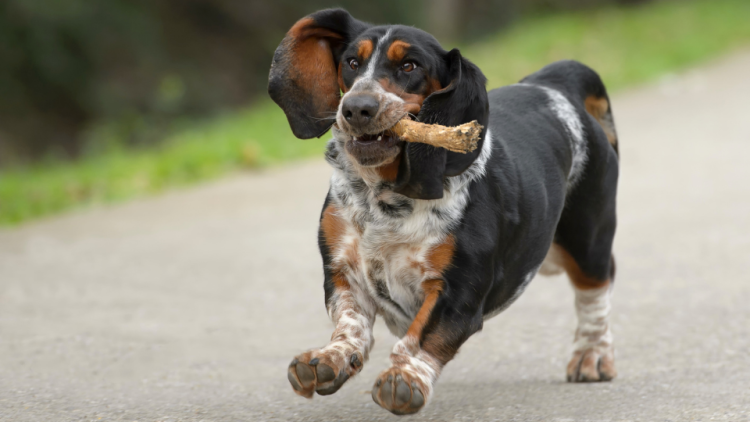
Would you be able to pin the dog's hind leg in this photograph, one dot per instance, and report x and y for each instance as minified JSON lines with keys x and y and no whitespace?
{"x":583,"y":248}
{"x":593,"y":354}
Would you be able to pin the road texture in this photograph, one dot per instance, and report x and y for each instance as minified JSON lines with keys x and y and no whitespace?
{"x":189,"y":306}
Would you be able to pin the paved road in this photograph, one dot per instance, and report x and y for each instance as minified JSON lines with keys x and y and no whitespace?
{"x":189,"y":306}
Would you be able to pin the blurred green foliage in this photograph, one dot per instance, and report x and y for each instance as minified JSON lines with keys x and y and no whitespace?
{"x":70,"y":69}
{"x":251,"y":138}
{"x":626,"y":45}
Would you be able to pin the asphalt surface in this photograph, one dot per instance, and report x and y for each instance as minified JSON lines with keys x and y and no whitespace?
{"x":189,"y":306}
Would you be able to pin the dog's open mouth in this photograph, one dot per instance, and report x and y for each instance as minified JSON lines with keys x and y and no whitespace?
{"x":385,"y":138}
{"x":373,"y":149}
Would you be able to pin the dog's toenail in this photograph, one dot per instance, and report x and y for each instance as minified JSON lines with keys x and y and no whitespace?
{"x":355,"y":361}
{"x":314,"y":361}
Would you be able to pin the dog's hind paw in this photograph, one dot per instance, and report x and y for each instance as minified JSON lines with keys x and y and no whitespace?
{"x":592,"y":365}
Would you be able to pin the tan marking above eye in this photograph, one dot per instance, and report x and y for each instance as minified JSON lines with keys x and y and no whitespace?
{"x":397,"y":51}
{"x":364,"y":49}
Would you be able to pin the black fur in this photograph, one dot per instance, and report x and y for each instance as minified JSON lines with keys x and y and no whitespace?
{"x":424,"y":167}
{"x":523,"y":204}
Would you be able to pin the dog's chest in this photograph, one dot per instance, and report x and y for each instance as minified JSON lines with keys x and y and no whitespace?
{"x":389,"y":268}
{"x":392,"y":244}
{"x":387,"y":260}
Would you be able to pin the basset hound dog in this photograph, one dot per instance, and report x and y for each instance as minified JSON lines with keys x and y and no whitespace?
{"x":433,"y":241}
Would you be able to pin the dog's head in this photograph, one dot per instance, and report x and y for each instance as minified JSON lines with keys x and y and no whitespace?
{"x":385,"y":74}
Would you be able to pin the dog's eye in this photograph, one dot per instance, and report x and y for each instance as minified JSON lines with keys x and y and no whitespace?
{"x":408,"y":66}
{"x":354,"y":64}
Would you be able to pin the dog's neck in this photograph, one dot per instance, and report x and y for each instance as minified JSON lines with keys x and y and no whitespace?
{"x":365,"y":197}
{"x":383,"y":177}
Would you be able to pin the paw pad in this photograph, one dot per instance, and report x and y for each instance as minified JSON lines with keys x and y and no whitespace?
{"x":319,"y":374}
{"x":592,"y":365}
{"x":394,"y":392}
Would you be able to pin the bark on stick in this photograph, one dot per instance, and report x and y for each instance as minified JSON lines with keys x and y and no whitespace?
{"x":461,"y":138}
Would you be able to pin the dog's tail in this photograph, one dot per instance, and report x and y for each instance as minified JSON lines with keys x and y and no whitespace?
{"x":597,"y":104}
{"x":580,"y":81}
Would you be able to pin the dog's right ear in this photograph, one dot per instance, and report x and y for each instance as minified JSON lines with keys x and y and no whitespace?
{"x":423,"y":168}
{"x":304,"y":73}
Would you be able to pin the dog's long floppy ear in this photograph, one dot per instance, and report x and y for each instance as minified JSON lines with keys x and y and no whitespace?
{"x":423,"y":168}
{"x":304,"y":74}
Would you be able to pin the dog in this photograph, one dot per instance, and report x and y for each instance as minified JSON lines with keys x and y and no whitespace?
{"x":436,"y":242}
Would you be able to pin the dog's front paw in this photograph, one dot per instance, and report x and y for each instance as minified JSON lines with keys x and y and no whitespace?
{"x":399,"y":392}
{"x":593,"y":364}
{"x":322,"y":371}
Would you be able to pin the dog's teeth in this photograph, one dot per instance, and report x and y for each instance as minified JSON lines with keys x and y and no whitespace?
{"x":379,"y":138}
{"x":354,"y":138}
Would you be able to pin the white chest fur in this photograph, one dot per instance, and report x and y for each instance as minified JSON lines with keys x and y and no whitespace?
{"x":388,"y":241}
{"x":389,"y":267}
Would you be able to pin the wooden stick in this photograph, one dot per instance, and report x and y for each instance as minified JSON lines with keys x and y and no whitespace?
{"x":461,"y":138}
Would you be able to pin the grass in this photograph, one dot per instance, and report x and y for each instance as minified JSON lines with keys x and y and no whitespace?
{"x":626,"y":46}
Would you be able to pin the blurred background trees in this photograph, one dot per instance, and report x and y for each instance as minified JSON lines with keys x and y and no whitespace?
{"x":77,"y":73}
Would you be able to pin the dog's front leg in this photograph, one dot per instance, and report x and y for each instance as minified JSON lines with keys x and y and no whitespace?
{"x":432,"y":340}
{"x":325,"y":370}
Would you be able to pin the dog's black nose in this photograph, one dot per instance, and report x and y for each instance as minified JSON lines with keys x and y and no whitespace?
{"x":359,"y":109}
